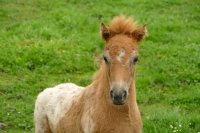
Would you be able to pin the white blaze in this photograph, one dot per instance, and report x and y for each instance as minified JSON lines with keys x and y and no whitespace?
{"x":121,"y":54}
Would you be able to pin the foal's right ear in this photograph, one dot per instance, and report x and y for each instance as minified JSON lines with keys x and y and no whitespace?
{"x":105,"y":33}
{"x":140,"y":33}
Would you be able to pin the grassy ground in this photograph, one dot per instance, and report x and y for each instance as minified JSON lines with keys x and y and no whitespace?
{"x":44,"y":43}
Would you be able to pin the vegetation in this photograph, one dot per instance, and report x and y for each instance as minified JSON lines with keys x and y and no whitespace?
{"x":44,"y":43}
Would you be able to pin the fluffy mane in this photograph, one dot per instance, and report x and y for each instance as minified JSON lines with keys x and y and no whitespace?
{"x":122,"y":24}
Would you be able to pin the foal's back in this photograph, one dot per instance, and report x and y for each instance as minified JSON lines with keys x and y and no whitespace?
{"x":52,"y":104}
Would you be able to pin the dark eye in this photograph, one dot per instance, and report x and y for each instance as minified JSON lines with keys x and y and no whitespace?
{"x":105,"y":59}
{"x":135,"y":60}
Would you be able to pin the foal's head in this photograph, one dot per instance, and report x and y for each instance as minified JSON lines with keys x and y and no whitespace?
{"x":121,"y":55}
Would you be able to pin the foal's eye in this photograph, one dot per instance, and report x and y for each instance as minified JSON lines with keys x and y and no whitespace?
{"x":105,"y":59}
{"x":135,"y":60}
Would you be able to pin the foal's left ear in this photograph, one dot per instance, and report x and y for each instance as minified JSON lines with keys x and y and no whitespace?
{"x":140,"y":33}
{"x":105,"y":33}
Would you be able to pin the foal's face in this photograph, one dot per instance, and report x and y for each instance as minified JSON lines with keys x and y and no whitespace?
{"x":120,"y":56}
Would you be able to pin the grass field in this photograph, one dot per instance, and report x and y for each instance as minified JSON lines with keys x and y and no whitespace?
{"x":44,"y":43}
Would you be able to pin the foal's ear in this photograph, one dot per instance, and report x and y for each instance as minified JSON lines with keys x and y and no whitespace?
{"x":105,"y":33}
{"x":140,"y":33}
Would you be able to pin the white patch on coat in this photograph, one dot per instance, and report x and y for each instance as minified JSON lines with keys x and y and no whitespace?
{"x":53,"y":103}
{"x":121,"y":54}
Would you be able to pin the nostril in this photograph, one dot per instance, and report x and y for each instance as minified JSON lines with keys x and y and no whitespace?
{"x":111,"y":93}
{"x":124,"y":94}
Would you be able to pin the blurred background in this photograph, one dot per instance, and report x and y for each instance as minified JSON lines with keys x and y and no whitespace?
{"x":44,"y":43}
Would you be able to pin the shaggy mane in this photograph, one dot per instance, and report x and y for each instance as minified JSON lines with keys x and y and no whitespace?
{"x":121,"y":24}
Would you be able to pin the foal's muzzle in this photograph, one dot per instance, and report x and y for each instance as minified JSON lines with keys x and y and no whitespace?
{"x":118,"y":97}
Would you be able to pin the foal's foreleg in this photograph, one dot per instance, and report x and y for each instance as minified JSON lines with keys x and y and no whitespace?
{"x":42,"y":125}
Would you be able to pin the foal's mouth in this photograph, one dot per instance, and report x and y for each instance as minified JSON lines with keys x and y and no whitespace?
{"x":118,"y":103}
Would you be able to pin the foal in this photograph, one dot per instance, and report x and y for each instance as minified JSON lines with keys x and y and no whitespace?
{"x":108,"y":104}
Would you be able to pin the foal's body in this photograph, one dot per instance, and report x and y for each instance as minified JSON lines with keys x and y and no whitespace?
{"x":68,"y":108}
{"x":108,"y":104}
{"x":65,"y":110}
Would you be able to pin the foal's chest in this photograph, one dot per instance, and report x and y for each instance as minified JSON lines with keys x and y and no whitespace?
{"x":104,"y":124}
{"x":114,"y":128}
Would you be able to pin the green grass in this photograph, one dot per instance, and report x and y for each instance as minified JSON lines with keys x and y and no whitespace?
{"x":44,"y":43}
